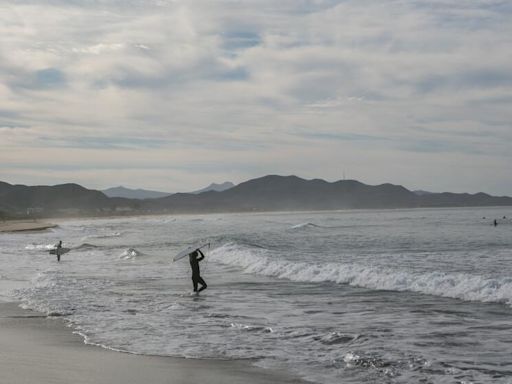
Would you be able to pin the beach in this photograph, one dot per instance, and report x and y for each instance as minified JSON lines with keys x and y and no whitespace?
{"x":41,"y":349}
{"x":25,"y":225}
{"x":396,"y":296}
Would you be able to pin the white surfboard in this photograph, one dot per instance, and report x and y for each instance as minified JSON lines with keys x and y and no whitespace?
{"x":188,"y":250}
{"x":59,"y":251}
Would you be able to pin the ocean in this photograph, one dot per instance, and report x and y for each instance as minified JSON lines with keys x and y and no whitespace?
{"x":363,"y":296}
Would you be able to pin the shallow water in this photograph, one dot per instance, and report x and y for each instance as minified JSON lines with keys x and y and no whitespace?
{"x":388,"y":296}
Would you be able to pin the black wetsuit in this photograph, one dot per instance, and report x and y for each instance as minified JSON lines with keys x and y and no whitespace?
{"x":196,"y":276}
{"x":59,"y":246}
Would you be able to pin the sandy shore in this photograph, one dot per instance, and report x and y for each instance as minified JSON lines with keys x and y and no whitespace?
{"x":37,"y":349}
{"x":22,"y":225}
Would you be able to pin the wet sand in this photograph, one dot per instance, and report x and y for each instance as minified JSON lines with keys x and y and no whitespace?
{"x":38,"y":349}
{"x":22,"y":225}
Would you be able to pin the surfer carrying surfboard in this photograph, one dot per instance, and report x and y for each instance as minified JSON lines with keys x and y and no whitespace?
{"x":196,"y":275}
{"x":58,"y":250}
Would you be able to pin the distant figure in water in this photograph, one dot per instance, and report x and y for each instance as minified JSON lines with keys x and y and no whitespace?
{"x":57,"y":252}
{"x":196,"y":275}
{"x":495,"y":222}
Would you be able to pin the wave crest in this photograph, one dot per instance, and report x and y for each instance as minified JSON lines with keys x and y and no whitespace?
{"x":86,"y":246}
{"x":462,"y":286}
{"x":102,"y":236}
{"x":34,"y":246}
{"x":305,"y":225}
{"x":130,"y":253}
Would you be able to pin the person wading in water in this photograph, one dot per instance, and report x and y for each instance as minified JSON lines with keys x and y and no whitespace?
{"x":58,"y":250}
{"x":196,"y":275}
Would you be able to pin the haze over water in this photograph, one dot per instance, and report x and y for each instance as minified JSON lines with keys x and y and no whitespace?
{"x":388,"y":296}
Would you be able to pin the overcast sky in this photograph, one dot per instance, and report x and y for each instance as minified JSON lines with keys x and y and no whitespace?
{"x":173,"y":95}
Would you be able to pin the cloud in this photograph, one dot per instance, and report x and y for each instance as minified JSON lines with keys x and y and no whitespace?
{"x":237,"y":88}
{"x":47,"y":78}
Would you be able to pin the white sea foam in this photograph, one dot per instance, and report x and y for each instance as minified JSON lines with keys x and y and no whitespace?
{"x":102,"y":235}
{"x":130,"y":253}
{"x":305,"y":225}
{"x":47,"y":282}
{"x":39,"y":246}
{"x":462,"y":286}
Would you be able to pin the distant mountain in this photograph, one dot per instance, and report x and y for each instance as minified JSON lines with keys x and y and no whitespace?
{"x":47,"y":200}
{"x":268,"y":193}
{"x":448,"y":199}
{"x":215,"y":187}
{"x":133,"y":193}
{"x":289,"y":193}
{"x":420,"y":192}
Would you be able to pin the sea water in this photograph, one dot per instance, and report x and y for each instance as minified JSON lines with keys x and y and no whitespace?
{"x":370,"y":296}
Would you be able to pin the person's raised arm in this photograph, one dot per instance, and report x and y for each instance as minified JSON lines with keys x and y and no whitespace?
{"x":202,"y":255}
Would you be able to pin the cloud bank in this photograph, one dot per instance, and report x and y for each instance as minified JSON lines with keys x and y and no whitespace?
{"x":172,"y":95}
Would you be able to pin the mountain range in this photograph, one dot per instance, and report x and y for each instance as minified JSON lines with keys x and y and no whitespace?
{"x":129,"y":193}
{"x":215,"y":187}
{"x":268,"y":193}
{"x":20,"y":199}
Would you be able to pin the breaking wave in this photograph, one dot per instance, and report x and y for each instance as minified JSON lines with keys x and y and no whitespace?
{"x":130,"y":253}
{"x":305,"y":225}
{"x":33,"y":246}
{"x":102,"y":236}
{"x":44,"y":247}
{"x":86,"y":246}
{"x":462,"y":286}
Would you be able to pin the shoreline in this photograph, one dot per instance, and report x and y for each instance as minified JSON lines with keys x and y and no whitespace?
{"x":10,"y":226}
{"x":57,"y":219}
{"x":40,"y":349}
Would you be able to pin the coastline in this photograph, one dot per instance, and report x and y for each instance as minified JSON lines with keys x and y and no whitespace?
{"x":40,"y":349}
{"x":25,"y":225}
{"x":31,"y":224}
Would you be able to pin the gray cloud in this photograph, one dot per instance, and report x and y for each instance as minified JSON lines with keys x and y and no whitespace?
{"x":230,"y":89}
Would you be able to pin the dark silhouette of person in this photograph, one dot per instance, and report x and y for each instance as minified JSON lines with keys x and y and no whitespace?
{"x":495,"y":223}
{"x":196,"y":275}
{"x":57,"y":252}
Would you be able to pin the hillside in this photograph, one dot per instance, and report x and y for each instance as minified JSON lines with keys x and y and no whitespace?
{"x":268,"y":193}
{"x":129,"y":193}
{"x":215,"y":187}
{"x":51,"y":200}
{"x":291,"y":193}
